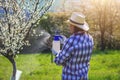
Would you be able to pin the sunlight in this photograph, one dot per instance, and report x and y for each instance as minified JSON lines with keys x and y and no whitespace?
{"x":102,"y":2}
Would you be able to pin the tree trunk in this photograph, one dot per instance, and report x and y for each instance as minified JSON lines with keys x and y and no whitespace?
{"x":102,"y":45}
{"x":11,"y":59}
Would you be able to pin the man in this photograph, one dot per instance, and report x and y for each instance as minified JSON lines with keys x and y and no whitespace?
{"x":76,"y":51}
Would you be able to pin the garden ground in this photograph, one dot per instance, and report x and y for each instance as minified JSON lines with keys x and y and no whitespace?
{"x":103,"y":66}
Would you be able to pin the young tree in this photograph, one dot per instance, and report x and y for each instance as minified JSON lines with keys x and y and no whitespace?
{"x":19,"y":17}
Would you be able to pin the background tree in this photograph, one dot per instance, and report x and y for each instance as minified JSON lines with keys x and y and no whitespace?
{"x":16,"y":23}
{"x":55,"y":21}
{"x":103,"y":17}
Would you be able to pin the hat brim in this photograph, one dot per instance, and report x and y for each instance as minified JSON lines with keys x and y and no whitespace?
{"x":85,"y":26}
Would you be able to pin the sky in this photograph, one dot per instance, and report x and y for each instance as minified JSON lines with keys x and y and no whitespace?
{"x":58,"y":4}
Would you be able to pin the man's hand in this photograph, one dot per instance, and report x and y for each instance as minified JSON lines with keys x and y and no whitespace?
{"x":62,"y":39}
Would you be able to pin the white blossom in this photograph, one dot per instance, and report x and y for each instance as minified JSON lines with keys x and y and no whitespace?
{"x":16,"y":22}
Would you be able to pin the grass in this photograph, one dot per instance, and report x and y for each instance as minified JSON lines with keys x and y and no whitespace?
{"x":103,"y":66}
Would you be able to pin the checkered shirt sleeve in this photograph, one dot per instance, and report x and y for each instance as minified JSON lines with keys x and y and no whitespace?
{"x":65,"y":53}
{"x":75,"y":56}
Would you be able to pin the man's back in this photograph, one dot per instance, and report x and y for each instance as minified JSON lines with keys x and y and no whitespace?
{"x":75,"y":55}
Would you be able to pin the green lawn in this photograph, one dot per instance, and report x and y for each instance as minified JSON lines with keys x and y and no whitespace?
{"x":103,"y":66}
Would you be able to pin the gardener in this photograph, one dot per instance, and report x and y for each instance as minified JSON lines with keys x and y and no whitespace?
{"x":76,"y":52}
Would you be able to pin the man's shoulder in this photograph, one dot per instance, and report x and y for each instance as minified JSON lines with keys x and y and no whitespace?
{"x":70,"y":39}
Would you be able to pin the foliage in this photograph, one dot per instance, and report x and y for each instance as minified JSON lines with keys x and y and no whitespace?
{"x":103,"y":66}
{"x":55,"y":21}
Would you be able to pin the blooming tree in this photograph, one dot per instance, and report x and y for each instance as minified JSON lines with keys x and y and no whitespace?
{"x":17,"y":20}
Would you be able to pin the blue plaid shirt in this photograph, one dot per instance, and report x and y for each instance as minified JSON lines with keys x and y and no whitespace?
{"x":75,"y":56}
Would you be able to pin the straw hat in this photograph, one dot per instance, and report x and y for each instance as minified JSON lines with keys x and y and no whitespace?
{"x":78,"y":20}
